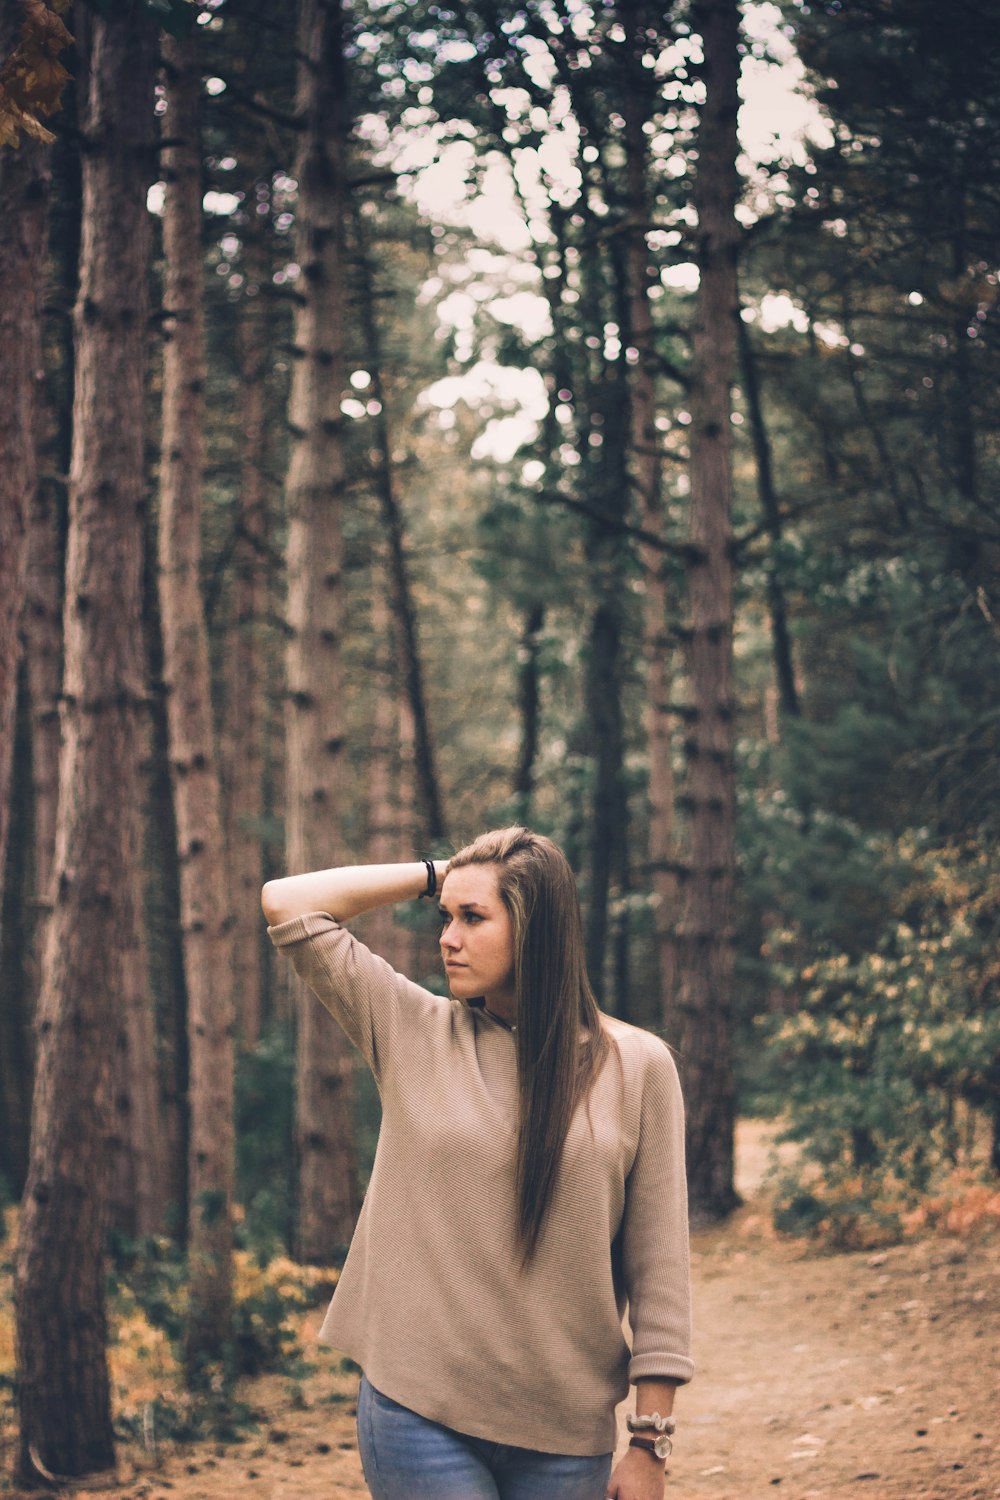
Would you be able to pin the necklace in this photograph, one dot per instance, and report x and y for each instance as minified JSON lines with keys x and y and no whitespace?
{"x":505,"y":1024}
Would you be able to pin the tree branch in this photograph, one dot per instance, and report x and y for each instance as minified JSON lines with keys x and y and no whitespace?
{"x":685,"y":552}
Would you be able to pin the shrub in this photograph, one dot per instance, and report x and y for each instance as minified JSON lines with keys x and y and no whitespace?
{"x":890,"y":1066}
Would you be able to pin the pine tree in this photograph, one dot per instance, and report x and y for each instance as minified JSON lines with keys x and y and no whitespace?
{"x":24,"y":187}
{"x":205,"y":901}
{"x":701,"y":1028}
{"x":63,"y":1390}
{"x":327,"y":1188}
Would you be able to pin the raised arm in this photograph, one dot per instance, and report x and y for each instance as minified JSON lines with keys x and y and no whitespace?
{"x":345,"y":892}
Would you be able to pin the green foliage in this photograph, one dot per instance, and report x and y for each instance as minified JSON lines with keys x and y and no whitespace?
{"x":869,"y":902}
{"x":147,"y":1302}
{"x":269,"y":1300}
{"x":890,"y":1049}
{"x":265,"y":1143}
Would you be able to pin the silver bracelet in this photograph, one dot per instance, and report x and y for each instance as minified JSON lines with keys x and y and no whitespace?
{"x":650,"y":1422}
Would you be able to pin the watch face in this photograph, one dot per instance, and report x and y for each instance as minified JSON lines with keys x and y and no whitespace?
{"x":663,"y":1447}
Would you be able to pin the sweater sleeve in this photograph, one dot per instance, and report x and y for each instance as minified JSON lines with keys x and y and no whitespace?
{"x":372,"y":1003}
{"x":655,"y":1255}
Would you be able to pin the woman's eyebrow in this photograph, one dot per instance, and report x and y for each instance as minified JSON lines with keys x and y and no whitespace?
{"x":463,"y":906}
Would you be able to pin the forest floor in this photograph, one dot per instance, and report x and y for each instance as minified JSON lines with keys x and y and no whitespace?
{"x":865,"y":1376}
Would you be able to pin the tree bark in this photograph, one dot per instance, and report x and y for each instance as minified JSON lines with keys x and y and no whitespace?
{"x":609,"y":809}
{"x":604,"y":486}
{"x":702,"y":1026}
{"x":246,"y":712}
{"x":138,"y":1198}
{"x":24,"y":194}
{"x":648,"y":479}
{"x":163,"y":906}
{"x":24,"y":191}
{"x":435,"y":830}
{"x":63,"y":1389}
{"x":386,"y":835}
{"x":781,"y":643}
{"x":327,"y":1186}
{"x":42,"y":619}
{"x":528,"y":708}
{"x":17,"y":986}
{"x":42,"y":631}
{"x":206,"y":922}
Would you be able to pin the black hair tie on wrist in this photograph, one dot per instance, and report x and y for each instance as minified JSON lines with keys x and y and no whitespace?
{"x":432,"y":880}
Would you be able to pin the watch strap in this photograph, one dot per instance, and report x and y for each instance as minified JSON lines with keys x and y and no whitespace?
{"x":659,"y":1447}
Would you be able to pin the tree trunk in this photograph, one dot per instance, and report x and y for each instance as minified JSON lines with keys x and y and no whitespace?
{"x":163,"y":906}
{"x":24,"y":193}
{"x":647,"y":476}
{"x":24,"y":190}
{"x":528,"y":708}
{"x":609,"y":810}
{"x":42,"y":621}
{"x":420,"y":952}
{"x":63,"y":1389}
{"x":781,"y":644}
{"x":386,"y":836}
{"x":17,"y":989}
{"x":205,"y":908}
{"x":247,"y":677}
{"x":42,"y":631}
{"x":138,"y":1197}
{"x":604,"y":487}
{"x":702,"y":1027}
{"x":435,"y":831}
{"x":327,"y":1187}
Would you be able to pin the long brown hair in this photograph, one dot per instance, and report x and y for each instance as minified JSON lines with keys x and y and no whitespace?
{"x":555,"y":1069}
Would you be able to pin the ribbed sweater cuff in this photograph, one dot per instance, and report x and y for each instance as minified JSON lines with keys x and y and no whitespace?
{"x":297,"y":928}
{"x":660,"y":1367}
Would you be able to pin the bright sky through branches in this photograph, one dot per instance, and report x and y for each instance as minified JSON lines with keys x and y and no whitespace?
{"x":777,"y":120}
{"x":508,"y":212}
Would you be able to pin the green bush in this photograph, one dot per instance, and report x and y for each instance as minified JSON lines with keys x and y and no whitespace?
{"x":890,"y":1064}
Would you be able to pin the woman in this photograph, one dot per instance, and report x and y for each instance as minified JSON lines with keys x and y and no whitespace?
{"x":528,"y":1181}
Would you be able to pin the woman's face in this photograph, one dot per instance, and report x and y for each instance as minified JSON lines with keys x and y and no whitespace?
{"x":477,"y":939}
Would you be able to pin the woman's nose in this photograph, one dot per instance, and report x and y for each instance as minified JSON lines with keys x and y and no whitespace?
{"x":448,"y":938}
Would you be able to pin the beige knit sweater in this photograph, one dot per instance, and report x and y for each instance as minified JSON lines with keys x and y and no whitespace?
{"x":432,"y":1303}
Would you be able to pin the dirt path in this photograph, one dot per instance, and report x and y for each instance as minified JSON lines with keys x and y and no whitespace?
{"x":861,"y":1376}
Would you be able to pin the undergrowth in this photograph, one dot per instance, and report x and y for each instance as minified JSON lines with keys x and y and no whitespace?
{"x":146,"y":1307}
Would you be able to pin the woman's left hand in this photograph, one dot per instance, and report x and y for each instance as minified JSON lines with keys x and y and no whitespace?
{"x":636,"y":1476}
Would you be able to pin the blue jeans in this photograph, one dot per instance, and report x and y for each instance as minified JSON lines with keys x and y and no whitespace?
{"x":407,"y":1457}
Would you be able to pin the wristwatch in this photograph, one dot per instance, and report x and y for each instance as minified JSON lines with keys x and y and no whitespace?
{"x":660,"y":1447}
{"x":652,"y":1422}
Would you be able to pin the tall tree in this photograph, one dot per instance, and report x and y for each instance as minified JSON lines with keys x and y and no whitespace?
{"x":781,"y":642}
{"x":24,"y":193}
{"x":24,"y":187}
{"x":392,"y":521}
{"x":647,"y":475}
{"x":529,"y":707}
{"x":63,"y":1388}
{"x":206,"y":922}
{"x":247,"y":671}
{"x":386,"y":834}
{"x":315,"y":800}
{"x":702,"y":1019}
